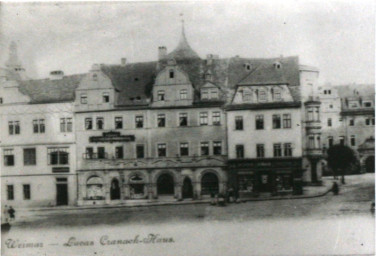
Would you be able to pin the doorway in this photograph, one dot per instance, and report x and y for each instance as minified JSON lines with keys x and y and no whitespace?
{"x":115,"y":190}
{"x":61,"y":191}
{"x":165,"y":184}
{"x":187,"y":188}
{"x":370,"y":164}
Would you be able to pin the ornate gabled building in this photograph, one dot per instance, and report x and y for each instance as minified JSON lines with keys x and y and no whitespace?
{"x":159,"y":129}
{"x":270,"y":115}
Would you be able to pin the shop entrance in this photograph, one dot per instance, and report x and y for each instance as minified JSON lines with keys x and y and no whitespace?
{"x":187,"y":188}
{"x":115,"y":190}
{"x":209,"y":184}
{"x":165,"y":184}
{"x":61,"y":191}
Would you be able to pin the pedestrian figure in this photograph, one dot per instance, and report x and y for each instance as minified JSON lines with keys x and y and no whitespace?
{"x":335,"y":188}
{"x":11,"y":212}
{"x":5,"y":214}
{"x":373,"y":207}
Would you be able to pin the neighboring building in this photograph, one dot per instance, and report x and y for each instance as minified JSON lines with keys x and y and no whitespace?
{"x":266,"y":124}
{"x":349,"y":118}
{"x":37,"y":140}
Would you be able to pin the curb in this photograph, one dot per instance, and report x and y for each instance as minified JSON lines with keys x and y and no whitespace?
{"x":175,"y":203}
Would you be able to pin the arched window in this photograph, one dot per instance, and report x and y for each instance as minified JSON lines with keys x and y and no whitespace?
{"x":94,"y":188}
{"x":137,"y":188}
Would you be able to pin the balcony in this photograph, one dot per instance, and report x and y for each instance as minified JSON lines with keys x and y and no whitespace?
{"x":106,"y":161}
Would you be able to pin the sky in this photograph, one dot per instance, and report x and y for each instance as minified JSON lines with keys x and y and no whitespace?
{"x":338,"y":37}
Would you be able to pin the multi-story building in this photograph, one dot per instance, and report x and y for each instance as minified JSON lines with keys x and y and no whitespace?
{"x":37,"y":138}
{"x":267,"y":123}
{"x":159,"y":129}
{"x":349,"y":119}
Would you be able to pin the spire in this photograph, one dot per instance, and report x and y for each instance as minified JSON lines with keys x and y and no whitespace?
{"x":13,"y":61}
{"x":183,"y":50}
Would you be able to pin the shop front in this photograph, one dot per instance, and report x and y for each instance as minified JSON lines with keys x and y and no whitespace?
{"x":250,"y":177}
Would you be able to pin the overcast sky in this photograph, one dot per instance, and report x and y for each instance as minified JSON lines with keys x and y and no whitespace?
{"x":337,"y":37}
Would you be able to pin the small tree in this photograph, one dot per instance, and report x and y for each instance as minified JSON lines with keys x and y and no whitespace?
{"x":340,"y":158}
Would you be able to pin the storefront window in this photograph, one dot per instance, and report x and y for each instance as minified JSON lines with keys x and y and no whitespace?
{"x":94,"y":188}
{"x":283,"y":182}
{"x":137,"y":187}
{"x":246,"y":183}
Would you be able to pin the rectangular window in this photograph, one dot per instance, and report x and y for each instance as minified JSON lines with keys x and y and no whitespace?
{"x":238,"y":123}
{"x":8,"y":157}
{"x":287,"y":149}
{"x":204,"y":148}
{"x":260,"y":150}
{"x":286,"y":121}
{"x":204,"y":118}
{"x":69,"y":124}
{"x":100,"y":123}
{"x":239,"y":151}
{"x":373,"y":121}
{"x":367,"y":104}
{"x":216,"y":118}
{"x":10,"y":192}
{"x":276,"y":121}
{"x":311,"y":142}
{"x":26,"y":192}
{"x":217,"y":148}
{"x":259,"y":122}
{"x":368,"y":121}
{"x":88,"y":123}
{"x":329,"y":122}
{"x":119,"y":153}
{"x":277,"y":95}
{"x":83,"y":99}
{"x":214,"y":94}
{"x":184,"y":149}
{"x":139,"y":121}
{"x":161,"y":95}
{"x":352,"y":140}
{"x":89,"y":153}
{"x":58,"y":156}
{"x":118,"y":122}
{"x":351,"y":122}
{"x":262,"y":95}
{"x":162,"y":150}
{"x":161,"y":120}
{"x":140,"y":151}
{"x":106,"y":97}
{"x":101,"y":153}
{"x":183,"y":119}
{"x":247,"y":96}
{"x":277,"y":150}
{"x":342,"y":140}
{"x":330,"y":141}
{"x":14,"y":127}
{"x":183,"y":94}
{"x":29,"y":156}
{"x":204,"y":95}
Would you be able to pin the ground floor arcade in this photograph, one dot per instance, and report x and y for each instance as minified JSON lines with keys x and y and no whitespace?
{"x":114,"y":186}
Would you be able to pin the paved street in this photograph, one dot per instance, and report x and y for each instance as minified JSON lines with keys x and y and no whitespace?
{"x":355,"y":198}
{"x":329,"y":225}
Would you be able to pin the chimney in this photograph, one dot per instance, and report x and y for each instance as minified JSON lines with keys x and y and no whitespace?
{"x":162,"y":52}
{"x":123,"y":62}
{"x":56,"y":75}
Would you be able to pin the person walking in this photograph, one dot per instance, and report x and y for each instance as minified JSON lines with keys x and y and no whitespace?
{"x":5,"y":217}
{"x":335,"y":188}
{"x":12,"y":213}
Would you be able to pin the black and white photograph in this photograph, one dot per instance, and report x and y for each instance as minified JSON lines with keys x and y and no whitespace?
{"x":187,"y":128}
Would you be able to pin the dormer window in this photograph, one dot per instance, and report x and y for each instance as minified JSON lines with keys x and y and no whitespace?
{"x":106,"y":97}
{"x":208,"y":76}
{"x":247,"y":96}
{"x":353,"y":104}
{"x":277,"y":65}
{"x":367,"y":104}
{"x":214,"y":94}
{"x":277,"y":95}
{"x":205,"y":95}
{"x":262,"y":95}
{"x":95,"y":77}
{"x":247,"y":67}
{"x":161,"y":95}
{"x":183,"y":94}
{"x":171,"y":73}
{"x":83,"y":98}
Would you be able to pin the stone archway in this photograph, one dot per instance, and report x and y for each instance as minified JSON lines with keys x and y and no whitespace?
{"x":165,"y":184}
{"x":209,"y":184}
{"x":115,"y":189}
{"x":187,"y":188}
{"x":370,"y":164}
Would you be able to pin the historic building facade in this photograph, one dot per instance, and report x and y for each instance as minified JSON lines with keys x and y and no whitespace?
{"x":269,"y":116}
{"x":349,"y":119}
{"x":37,"y":140}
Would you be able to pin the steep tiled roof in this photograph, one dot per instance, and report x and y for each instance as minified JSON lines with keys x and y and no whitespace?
{"x":264,"y":74}
{"x":46,"y":90}
{"x":133,"y":81}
